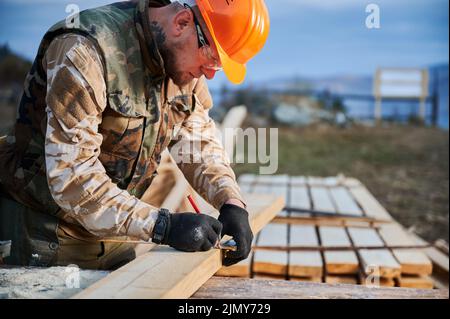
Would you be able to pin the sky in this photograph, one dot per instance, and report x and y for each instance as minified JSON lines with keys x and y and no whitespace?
{"x":310,"y":38}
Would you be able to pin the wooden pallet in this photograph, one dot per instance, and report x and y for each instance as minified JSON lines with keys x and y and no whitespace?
{"x":366,"y":257}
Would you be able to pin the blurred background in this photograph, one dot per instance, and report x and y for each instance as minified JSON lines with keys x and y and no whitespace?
{"x":348,"y":98}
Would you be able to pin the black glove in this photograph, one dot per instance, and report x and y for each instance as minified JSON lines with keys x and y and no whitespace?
{"x":235,"y":223}
{"x":192,"y":232}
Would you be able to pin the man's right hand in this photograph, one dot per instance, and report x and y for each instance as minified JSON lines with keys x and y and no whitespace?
{"x":193,"y":232}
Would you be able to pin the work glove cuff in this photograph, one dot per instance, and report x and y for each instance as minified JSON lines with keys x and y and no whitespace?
{"x":161,"y":229}
{"x":231,"y":209}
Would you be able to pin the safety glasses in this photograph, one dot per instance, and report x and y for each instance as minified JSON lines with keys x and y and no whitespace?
{"x":203,"y":43}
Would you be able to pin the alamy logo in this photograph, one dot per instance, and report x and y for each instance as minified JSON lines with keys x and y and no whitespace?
{"x":373,"y":19}
{"x":73,"y":277}
{"x":373,"y":276}
{"x":73,"y":19}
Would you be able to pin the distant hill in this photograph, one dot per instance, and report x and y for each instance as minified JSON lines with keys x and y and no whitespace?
{"x":13,"y":68}
{"x":346,"y":84}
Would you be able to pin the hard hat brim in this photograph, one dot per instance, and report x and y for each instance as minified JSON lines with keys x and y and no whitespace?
{"x":234,"y":71}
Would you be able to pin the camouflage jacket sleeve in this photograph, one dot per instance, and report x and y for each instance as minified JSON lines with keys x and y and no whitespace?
{"x":200,"y":155}
{"x":77,"y":180}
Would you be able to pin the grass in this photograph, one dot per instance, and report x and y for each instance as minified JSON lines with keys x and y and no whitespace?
{"x":405,"y":167}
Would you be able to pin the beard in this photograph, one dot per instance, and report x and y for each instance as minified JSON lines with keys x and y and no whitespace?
{"x":172,"y":65}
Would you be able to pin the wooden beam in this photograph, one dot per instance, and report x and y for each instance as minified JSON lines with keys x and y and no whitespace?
{"x":299,"y":197}
{"x":321,"y":199}
{"x":297,"y":181}
{"x":350,"y":280}
{"x":306,"y":263}
{"x":412,"y":262}
{"x":273,"y":262}
{"x":369,"y":204}
{"x":246,"y":179}
{"x":237,"y":288}
{"x":380,"y":259}
{"x":379,"y":262}
{"x":439,"y":259}
{"x":344,"y":201}
{"x":338,"y":262}
{"x":306,"y":279}
{"x":272,"y":179}
{"x":280,"y":189}
{"x":241,"y":269}
{"x":376,"y":282}
{"x":419,"y":282}
{"x":167,"y":273}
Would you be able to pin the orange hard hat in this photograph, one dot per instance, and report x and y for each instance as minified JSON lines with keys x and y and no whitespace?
{"x":239,"y":29}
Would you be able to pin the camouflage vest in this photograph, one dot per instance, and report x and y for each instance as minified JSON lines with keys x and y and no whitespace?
{"x":138,"y":96}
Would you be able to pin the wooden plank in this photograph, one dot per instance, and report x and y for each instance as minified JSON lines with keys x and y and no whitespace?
{"x":260,"y":276}
{"x":412,"y":262}
{"x":238,"y":288}
{"x":351,"y":182}
{"x":246,"y":179}
{"x":279,"y":179}
{"x":365,"y":237}
{"x":321,"y":199}
{"x":268,"y":188}
{"x":246,"y":188}
{"x":306,"y":279}
{"x":345,"y":204}
{"x":349,"y":280}
{"x":420,"y":282}
{"x":280,"y":189}
{"x":241,"y":269}
{"x":233,"y":120}
{"x":234,"y":117}
{"x":299,"y":197}
{"x":331,"y":181}
{"x":304,"y":264}
{"x":272,"y":179}
{"x":167,"y":273}
{"x":338,"y":262}
{"x":369,"y":204}
{"x":382,"y":261}
{"x":261,"y":189}
{"x":442,"y":245}
{"x":271,"y":261}
{"x":315,"y":181}
{"x":439,"y":260}
{"x":376,"y":282}
{"x":298,"y":181}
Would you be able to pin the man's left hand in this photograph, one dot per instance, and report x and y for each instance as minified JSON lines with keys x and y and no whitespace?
{"x":235,"y":223}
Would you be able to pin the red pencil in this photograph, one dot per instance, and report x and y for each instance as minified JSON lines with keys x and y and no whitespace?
{"x":194,"y":205}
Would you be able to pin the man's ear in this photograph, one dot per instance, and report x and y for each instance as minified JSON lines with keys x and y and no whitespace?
{"x":181,"y":22}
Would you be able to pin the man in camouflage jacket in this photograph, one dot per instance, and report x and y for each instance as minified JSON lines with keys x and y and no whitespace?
{"x":100,"y":104}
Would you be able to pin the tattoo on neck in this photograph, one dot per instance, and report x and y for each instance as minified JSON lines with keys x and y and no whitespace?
{"x":157,"y":32}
